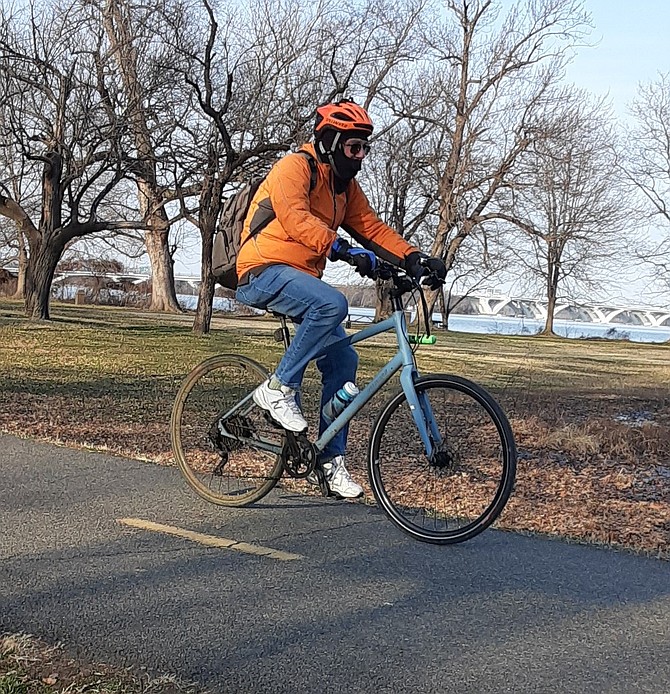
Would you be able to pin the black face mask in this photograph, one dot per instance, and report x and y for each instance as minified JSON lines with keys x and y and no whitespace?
{"x":344,"y":168}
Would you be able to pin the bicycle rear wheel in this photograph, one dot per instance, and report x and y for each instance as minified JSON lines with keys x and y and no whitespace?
{"x":465,"y":487}
{"x":221,"y":468}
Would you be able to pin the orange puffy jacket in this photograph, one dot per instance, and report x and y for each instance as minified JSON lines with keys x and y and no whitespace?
{"x":306,"y":222}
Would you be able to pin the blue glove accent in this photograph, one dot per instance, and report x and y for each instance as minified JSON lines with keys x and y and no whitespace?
{"x":339,"y":250}
{"x":363,"y":260}
{"x":357,"y":255}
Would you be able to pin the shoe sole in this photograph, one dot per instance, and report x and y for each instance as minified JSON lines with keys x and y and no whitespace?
{"x":331,"y":494}
{"x":339,"y":497}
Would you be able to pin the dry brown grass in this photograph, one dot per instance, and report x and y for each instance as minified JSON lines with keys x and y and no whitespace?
{"x":31,"y":666}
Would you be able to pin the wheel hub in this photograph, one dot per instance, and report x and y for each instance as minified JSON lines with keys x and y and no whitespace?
{"x":444,"y":459}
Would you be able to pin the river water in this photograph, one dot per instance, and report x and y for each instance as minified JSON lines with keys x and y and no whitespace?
{"x":505,"y":325}
{"x":498,"y":325}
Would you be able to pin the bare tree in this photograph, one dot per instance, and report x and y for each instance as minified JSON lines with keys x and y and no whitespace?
{"x":257,"y":76}
{"x":147,"y":96}
{"x":648,"y":169}
{"x":569,"y":200}
{"x":490,"y":75}
{"x":400,"y":184}
{"x":237,"y":123}
{"x":61,"y":130}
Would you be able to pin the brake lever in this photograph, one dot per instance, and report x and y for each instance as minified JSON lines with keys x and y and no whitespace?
{"x":383,"y":273}
{"x":433,"y":282}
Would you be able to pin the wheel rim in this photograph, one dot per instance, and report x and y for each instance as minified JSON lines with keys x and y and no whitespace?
{"x":464,"y":488}
{"x":219,"y":468}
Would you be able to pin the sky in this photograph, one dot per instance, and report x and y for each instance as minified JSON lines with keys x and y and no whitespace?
{"x":630,"y":44}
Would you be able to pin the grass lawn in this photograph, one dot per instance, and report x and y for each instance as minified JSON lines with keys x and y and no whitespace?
{"x":591,"y":417}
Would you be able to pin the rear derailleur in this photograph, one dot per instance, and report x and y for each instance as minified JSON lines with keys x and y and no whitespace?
{"x":223,"y":438}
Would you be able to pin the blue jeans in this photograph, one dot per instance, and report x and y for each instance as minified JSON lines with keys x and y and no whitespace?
{"x":318,"y":310}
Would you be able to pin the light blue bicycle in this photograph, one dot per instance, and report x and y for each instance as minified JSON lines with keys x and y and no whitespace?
{"x":441,"y":457}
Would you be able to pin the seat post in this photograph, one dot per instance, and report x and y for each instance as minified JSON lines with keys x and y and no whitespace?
{"x":282,"y":334}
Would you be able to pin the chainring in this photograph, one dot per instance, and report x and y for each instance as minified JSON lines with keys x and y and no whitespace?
{"x":299,"y":456}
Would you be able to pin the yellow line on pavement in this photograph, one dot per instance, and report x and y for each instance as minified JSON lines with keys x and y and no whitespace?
{"x":209,"y":540}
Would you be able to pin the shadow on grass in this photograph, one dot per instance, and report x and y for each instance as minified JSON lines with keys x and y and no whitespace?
{"x":115,"y":387}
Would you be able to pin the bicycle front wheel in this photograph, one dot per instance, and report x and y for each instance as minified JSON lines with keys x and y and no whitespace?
{"x":465,"y":486}
{"x":225,"y":470}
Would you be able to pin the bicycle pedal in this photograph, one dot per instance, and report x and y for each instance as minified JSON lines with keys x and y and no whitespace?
{"x":272,"y":422}
{"x":319,"y":480}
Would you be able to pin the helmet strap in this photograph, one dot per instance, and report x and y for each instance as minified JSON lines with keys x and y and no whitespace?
{"x":328,"y":153}
{"x":331,"y":150}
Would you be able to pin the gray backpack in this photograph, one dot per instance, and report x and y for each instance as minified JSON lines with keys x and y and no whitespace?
{"x":231,"y":222}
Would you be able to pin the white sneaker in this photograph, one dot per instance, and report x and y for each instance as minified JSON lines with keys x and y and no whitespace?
{"x":339,"y":480}
{"x":280,"y":403}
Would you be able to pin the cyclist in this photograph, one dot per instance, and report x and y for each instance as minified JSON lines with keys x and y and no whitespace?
{"x":280,"y":268}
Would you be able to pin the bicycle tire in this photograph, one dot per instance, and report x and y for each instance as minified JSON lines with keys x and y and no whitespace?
{"x":468,"y":486}
{"x":211,"y":389}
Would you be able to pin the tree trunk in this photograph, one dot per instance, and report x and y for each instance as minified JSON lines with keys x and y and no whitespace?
{"x":431,"y":300}
{"x":551,"y":307}
{"x":203,"y":313}
{"x":46,"y":244}
{"x":20,"y":292}
{"x":444,"y":308}
{"x":210,"y":208}
{"x":383,"y":305}
{"x":39,"y":277}
{"x":163,"y":294}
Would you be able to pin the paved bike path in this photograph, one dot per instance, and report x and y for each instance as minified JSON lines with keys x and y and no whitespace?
{"x":364,"y":609}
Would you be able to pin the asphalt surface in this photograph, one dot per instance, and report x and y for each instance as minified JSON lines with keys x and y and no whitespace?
{"x":366,"y":609}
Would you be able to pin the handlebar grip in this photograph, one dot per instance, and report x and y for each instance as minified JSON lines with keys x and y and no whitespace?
{"x":421,"y":339}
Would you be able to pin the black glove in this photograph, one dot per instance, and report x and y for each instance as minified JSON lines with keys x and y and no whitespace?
{"x":418,"y":265}
{"x":363,"y":260}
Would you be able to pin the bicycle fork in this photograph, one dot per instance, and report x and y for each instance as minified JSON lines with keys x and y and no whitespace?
{"x":422,"y":413}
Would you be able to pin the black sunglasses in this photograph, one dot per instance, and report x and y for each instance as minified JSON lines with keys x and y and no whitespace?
{"x":355,"y":146}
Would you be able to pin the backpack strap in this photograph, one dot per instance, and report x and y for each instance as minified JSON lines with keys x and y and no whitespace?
{"x":313,"y":171}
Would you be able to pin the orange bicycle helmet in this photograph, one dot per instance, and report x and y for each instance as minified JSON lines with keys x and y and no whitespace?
{"x":343,"y":116}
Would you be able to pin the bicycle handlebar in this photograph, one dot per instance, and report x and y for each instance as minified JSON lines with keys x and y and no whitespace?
{"x":401,"y":280}
{"x":403,"y":283}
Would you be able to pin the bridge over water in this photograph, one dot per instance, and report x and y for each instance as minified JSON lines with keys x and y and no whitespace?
{"x":478,"y":304}
{"x":590,"y":312}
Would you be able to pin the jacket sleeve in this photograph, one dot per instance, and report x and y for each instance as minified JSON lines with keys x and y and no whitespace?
{"x":365,"y":227}
{"x":289,"y":194}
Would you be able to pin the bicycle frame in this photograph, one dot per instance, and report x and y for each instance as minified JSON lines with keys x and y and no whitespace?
{"x":403,"y":361}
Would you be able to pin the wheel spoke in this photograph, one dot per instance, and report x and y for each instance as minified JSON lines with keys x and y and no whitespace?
{"x":225,"y":468}
{"x":464,"y":487}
